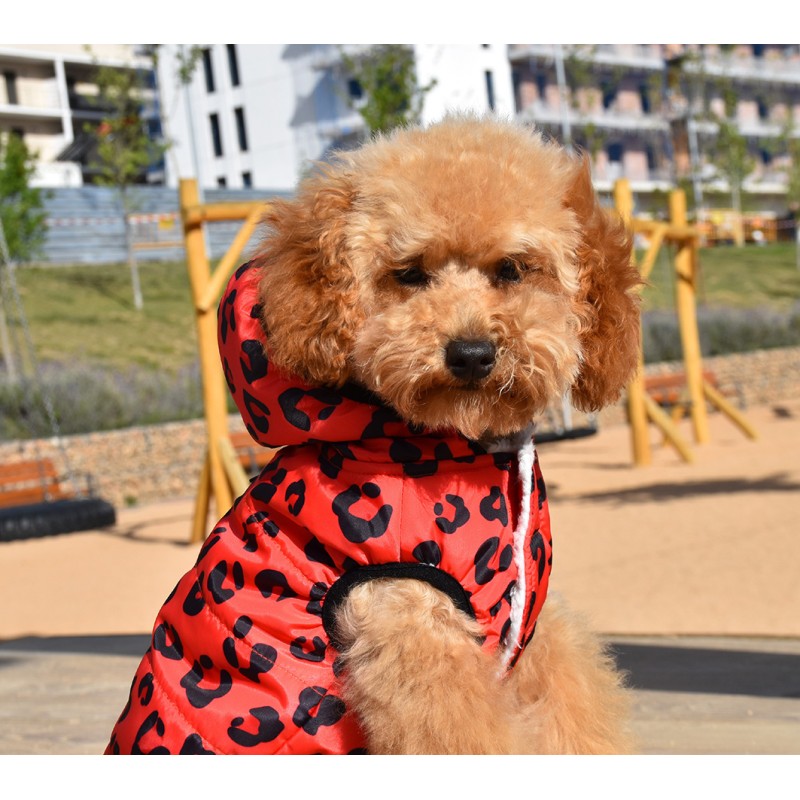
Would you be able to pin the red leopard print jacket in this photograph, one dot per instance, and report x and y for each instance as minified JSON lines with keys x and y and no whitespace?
{"x":243,"y":652}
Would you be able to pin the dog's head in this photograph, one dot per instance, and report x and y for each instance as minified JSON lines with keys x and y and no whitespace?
{"x":465,"y":273}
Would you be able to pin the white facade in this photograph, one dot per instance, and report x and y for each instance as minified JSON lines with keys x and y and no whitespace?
{"x":41,"y":92}
{"x":293,"y":104}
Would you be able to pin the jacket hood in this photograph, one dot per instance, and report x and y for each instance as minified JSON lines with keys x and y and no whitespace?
{"x":279,"y":409}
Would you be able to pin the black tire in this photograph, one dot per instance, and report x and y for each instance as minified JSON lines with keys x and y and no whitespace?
{"x":59,"y":516}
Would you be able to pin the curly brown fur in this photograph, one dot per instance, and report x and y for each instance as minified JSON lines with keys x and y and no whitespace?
{"x":383,"y":266}
{"x":511,"y":247}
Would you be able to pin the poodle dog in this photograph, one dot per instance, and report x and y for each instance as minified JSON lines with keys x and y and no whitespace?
{"x":378,"y":586}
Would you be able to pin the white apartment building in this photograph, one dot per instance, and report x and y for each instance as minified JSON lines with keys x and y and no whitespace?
{"x":258,"y":115}
{"x":45,"y":97}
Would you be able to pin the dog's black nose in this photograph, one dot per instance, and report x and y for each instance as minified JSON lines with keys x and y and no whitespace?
{"x":470,"y":361}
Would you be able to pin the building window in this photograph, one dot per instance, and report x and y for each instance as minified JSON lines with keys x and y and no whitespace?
{"x":10,"y":80}
{"x":541,"y":85}
{"x":609,"y":94}
{"x":233,"y":64}
{"x":208,"y":70}
{"x":216,"y":134}
{"x":644,"y":94}
{"x":354,"y":89}
{"x":222,"y":181}
{"x":615,"y":151}
{"x":763,"y":108}
{"x":490,"y":89}
{"x":241,"y":130}
{"x":247,"y":179}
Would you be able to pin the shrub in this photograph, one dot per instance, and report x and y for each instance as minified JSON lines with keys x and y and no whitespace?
{"x":87,"y":398}
{"x":722,"y":331}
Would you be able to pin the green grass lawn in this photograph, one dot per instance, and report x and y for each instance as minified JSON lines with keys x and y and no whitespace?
{"x":86,"y":313}
{"x":747,"y":277}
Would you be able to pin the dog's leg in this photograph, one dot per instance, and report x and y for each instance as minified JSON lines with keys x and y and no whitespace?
{"x":568,"y":689}
{"x":415,"y":675}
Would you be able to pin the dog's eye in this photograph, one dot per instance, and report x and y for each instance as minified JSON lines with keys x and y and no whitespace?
{"x":508,"y":271}
{"x":412,"y":275}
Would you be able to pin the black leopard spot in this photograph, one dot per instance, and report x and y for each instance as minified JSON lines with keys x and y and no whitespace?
{"x":291,"y":398}
{"x":257,"y":411}
{"x":227,"y":315}
{"x":195,"y":602}
{"x":460,"y":514}
{"x":494,"y":506}
{"x":296,"y":489}
{"x":243,"y":268}
{"x":264,"y":490}
{"x":317,"y":594}
{"x":262,"y":519}
{"x":483,"y":572}
{"x":254,"y":362}
{"x":209,"y":543}
{"x":538,"y":552}
{"x":315,"y":552}
{"x":316,"y":653}
{"x":172,"y":650}
{"x":428,"y":553}
{"x":356,"y":529}
{"x":145,"y":690}
{"x":495,"y":609}
{"x":376,"y":427}
{"x":262,"y":659}
{"x":401,"y":451}
{"x":269,"y":580}
{"x":201,"y":696}
{"x":269,"y":727}
{"x":193,"y":746}
{"x":153,"y":722}
{"x":541,"y":491}
{"x":215,"y":580}
{"x":229,"y":379}
{"x":330,"y":709}
{"x":504,"y":632}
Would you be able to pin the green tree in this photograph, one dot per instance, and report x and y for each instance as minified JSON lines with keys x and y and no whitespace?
{"x":21,"y":205}
{"x":387,"y":75}
{"x":124,"y":148}
{"x":733,"y":162}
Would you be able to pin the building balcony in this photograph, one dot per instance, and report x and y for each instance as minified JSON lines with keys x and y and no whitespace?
{"x":641,"y":56}
{"x":30,"y":101}
{"x":546,"y":114}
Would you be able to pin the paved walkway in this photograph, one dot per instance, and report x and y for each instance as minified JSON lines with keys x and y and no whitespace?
{"x":689,"y":570}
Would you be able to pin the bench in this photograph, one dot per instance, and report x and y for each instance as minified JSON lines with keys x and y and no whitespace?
{"x":34,"y":481}
{"x":670,"y":391}
{"x":252,"y":456}
{"x":34,"y":502}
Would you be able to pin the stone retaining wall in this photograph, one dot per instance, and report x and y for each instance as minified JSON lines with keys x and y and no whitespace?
{"x":143,"y":464}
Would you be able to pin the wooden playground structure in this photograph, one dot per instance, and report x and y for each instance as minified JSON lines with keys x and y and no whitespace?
{"x":643,"y":409}
{"x":223,"y":476}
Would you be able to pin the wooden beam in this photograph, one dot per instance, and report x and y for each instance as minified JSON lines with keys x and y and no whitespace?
{"x":214,"y":388}
{"x":686,"y":305}
{"x":197,"y":214}
{"x":210,"y":295}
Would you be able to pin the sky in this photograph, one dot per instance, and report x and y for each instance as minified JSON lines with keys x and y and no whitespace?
{"x":411,"y":21}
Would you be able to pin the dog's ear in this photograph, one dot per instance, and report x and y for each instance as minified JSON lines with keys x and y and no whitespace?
{"x":608,"y":304}
{"x":308,"y":287}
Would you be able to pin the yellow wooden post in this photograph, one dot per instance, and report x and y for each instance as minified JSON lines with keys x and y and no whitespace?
{"x":637,"y":412}
{"x":214,"y":392}
{"x":687,"y":318}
